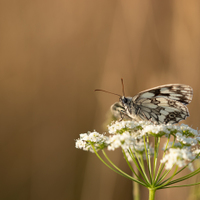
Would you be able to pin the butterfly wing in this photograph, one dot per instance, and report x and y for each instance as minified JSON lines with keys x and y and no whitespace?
{"x":161,"y":110}
{"x":177,"y":92}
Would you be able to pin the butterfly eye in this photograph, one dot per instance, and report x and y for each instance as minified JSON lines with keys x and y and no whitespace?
{"x":125,"y":100}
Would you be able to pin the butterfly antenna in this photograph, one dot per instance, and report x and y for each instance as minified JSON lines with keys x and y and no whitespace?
{"x":122,"y":87}
{"x":100,"y":90}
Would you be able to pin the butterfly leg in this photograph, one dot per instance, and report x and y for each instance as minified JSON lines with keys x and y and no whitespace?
{"x":122,"y":115}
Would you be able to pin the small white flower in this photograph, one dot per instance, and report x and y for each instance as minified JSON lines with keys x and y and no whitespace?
{"x":84,"y":136}
{"x":157,"y":130}
{"x":80,"y":144}
{"x":178,"y":157}
{"x":91,"y":140}
{"x":188,"y":130}
{"x":139,"y":147}
{"x":196,"y":152}
{"x":188,"y":141}
{"x":114,"y":142}
{"x":116,"y":127}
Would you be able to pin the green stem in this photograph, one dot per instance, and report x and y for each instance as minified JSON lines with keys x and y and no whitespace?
{"x":166,"y":172}
{"x":138,"y":167}
{"x":141,"y":163}
{"x":147,"y":157}
{"x":184,"y":177}
{"x":152,"y":193}
{"x":156,"y":147}
{"x":131,"y":168}
{"x":161,"y":164}
{"x":136,"y":191}
{"x":121,"y":172}
{"x":166,"y":183}
{"x":181,"y":185}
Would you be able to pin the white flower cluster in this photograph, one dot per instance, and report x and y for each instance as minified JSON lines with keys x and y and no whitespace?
{"x":179,"y":157}
{"x":118,"y":127}
{"x":196,"y":152}
{"x":129,"y":135}
{"x":188,"y":141}
{"x":86,"y":141}
{"x":123,"y":140}
{"x":157,"y":130}
{"x":187,"y":136}
{"x":124,"y":134}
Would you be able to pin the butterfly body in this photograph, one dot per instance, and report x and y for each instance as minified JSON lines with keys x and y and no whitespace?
{"x":161,"y":105}
{"x":130,"y":107}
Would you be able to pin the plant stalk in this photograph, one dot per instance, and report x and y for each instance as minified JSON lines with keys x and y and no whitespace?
{"x":152,"y":193}
{"x":136,"y":189}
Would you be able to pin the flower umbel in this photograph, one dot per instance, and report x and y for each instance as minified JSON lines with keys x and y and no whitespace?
{"x":141,"y":140}
{"x":87,"y":140}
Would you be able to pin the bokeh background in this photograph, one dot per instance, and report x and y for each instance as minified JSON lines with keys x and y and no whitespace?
{"x":53,"y":54}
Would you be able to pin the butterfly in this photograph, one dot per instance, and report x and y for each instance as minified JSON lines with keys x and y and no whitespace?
{"x":160,"y":105}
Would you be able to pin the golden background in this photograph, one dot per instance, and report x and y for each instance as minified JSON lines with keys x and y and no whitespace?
{"x":53,"y":54}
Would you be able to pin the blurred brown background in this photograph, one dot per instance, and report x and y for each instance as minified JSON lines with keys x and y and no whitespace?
{"x":53,"y":54}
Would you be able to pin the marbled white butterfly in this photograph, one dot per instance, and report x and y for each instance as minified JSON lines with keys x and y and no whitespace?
{"x":161,"y":105}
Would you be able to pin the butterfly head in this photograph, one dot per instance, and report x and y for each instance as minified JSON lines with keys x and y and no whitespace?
{"x":125,"y":100}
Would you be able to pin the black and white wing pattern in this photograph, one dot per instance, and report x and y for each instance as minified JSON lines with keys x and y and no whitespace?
{"x":161,"y":110}
{"x":163,"y":104}
{"x":177,"y":92}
